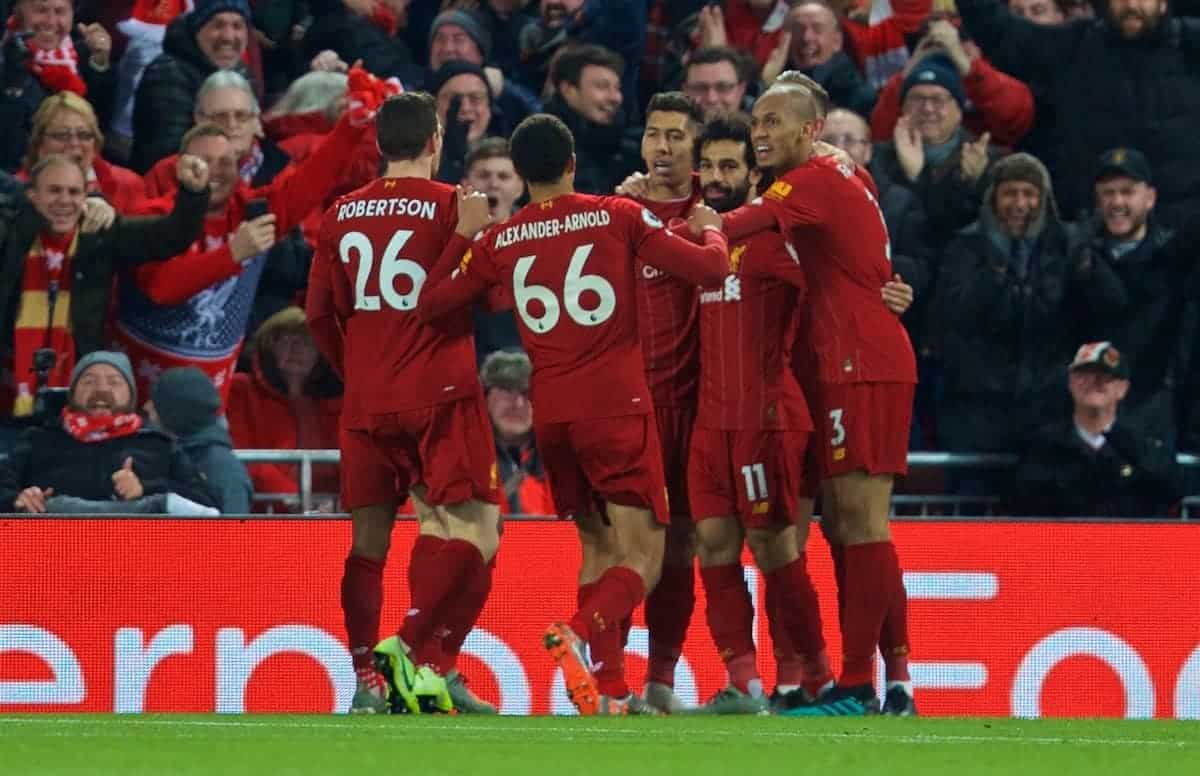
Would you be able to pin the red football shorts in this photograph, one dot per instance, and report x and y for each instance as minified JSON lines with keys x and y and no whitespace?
{"x":448,"y":448}
{"x":675,"y":435}
{"x":752,"y":475}
{"x":863,"y":427}
{"x":596,"y":460}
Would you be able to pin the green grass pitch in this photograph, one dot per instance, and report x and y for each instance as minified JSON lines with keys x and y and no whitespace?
{"x":550,"y":746}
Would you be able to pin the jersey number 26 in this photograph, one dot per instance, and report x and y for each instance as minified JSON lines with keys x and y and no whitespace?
{"x":391,"y":266}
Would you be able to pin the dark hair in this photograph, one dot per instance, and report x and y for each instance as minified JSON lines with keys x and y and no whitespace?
{"x":569,"y":65}
{"x":712,"y":55}
{"x":201,"y":130}
{"x":487,"y":148}
{"x":404,"y":125}
{"x":731,"y":126}
{"x":541,"y":148}
{"x":676,"y":102}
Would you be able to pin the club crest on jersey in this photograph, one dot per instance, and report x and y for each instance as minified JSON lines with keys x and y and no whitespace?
{"x":779,"y":190}
{"x":735,"y":257}
{"x":652,"y":221}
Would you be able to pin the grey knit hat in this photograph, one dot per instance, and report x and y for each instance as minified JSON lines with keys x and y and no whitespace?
{"x":470,"y":24}
{"x":116,"y":360}
{"x":507,"y":369}
{"x":186,"y":400}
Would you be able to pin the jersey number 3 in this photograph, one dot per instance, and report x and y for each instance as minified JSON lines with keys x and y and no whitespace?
{"x":391,"y":266}
{"x":574,"y":285}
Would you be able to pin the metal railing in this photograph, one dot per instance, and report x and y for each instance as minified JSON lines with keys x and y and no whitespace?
{"x":927,"y":505}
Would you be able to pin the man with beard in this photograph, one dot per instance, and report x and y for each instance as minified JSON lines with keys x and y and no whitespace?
{"x":1144,"y":57}
{"x":865,"y":369}
{"x":1133,"y":273}
{"x":98,"y":457}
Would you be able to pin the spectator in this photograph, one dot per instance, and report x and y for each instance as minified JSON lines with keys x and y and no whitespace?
{"x":308,"y":109}
{"x":98,"y":457}
{"x":930,"y":151}
{"x":194,"y":308}
{"x":1045,"y":12}
{"x":66,"y":124}
{"x":1044,"y":140}
{"x":461,"y":35}
{"x":1144,"y":58}
{"x":47,"y":261}
{"x":587,"y":97}
{"x":1097,"y":464}
{"x":505,"y":377}
{"x":213,"y":36}
{"x":1008,"y":300}
{"x":185,"y":404}
{"x":505,"y":20}
{"x":997,"y":103}
{"x":45,"y":54}
{"x":366,"y":30}
{"x":466,"y":111}
{"x":817,"y":51}
{"x":145,"y":28}
{"x":717,"y":78}
{"x":290,"y":400}
{"x":1135,"y":275}
{"x":616,"y":25}
{"x":490,"y":170}
{"x":753,"y":26}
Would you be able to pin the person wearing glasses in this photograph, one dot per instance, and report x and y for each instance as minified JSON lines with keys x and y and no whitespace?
{"x":66,"y":124}
{"x":717,"y":77}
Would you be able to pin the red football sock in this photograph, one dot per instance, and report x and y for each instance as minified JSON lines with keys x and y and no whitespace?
{"x":789,"y":665}
{"x":838,"y":553}
{"x":362,"y":600}
{"x":421,"y":562}
{"x":799,"y":613}
{"x":462,"y":615}
{"x":433,"y":585}
{"x":607,"y":651}
{"x":613,"y":598}
{"x":871,"y":572}
{"x":668,"y":612}
{"x":893,"y":637}
{"x":730,"y":617}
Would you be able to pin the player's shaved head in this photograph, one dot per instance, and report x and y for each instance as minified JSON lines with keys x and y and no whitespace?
{"x":404,"y":125}
{"x":808,"y":105}
{"x":824,"y":103}
{"x":542,"y":148}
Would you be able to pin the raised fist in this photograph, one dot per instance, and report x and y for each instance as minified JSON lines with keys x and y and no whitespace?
{"x":191,"y":172}
{"x":473,"y":213}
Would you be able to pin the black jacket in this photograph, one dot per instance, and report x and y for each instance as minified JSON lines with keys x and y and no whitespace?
{"x":604,"y":156}
{"x":1144,"y":303}
{"x":1131,"y":475}
{"x":336,"y":28}
{"x":1107,"y":92}
{"x":97,"y":257}
{"x":49,"y":457}
{"x":845,"y":84}
{"x":24,"y":93}
{"x":166,"y":96}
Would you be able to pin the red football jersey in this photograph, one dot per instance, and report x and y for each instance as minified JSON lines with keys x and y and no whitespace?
{"x":747,"y":333}
{"x":376,"y":248}
{"x":831,"y":218}
{"x":570,"y":263}
{"x":667,"y":317}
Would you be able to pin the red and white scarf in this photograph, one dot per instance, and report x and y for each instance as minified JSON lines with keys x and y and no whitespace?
{"x":47,"y":266}
{"x":99,"y":428}
{"x":56,"y":69}
{"x":149,"y":18}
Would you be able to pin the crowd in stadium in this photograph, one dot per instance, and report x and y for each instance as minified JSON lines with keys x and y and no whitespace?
{"x":1032,"y":160}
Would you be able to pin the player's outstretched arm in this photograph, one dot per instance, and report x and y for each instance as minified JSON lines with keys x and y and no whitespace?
{"x":701,"y":265}
{"x":747,"y":221}
{"x":320,"y":310}
{"x":457,"y":279}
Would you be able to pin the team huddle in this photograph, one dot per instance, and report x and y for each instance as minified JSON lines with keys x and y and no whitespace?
{"x":706,"y":361}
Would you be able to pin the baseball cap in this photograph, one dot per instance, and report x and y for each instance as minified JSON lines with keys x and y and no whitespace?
{"x":1126,"y":162}
{"x":1102,"y":356}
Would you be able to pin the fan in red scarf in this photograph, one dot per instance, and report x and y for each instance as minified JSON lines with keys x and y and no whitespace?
{"x":53,"y":58}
